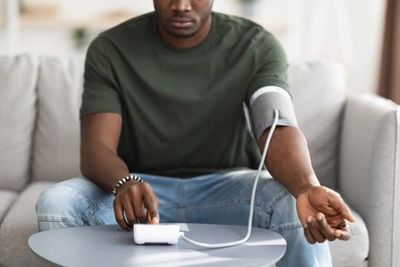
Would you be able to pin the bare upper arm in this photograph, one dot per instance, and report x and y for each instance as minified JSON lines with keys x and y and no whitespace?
{"x":104,"y":128}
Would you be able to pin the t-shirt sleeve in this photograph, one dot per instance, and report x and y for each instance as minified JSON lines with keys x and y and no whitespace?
{"x":272,"y":65}
{"x":100,"y":90}
{"x":268,"y":89}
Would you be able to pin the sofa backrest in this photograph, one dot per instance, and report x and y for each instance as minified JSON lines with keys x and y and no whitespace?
{"x":56,"y":140}
{"x":319,"y":95}
{"x":54,"y":87}
{"x":18,"y":77}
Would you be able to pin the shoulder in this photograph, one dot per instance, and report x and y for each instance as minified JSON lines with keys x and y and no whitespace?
{"x":241,"y":23}
{"x":130,"y":29}
{"x":244,"y":30}
{"x":132,"y":25}
{"x":107,"y":41}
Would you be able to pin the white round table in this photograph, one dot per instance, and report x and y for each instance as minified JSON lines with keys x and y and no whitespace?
{"x":112,"y":246}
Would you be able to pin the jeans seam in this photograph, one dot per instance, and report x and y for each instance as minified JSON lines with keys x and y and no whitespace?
{"x":44,"y":218}
{"x":289,"y":226}
{"x":284,"y":226}
{"x":224,"y":205}
{"x":181,"y":195}
{"x":93,"y":207}
{"x":269,"y":208}
{"x":182,"y":204}
{"x":258,"y":203}
{"x":77,"y":190}
{"x":168,"y":207}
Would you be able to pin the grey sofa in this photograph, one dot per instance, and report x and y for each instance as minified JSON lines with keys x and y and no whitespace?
{"x":353,"y":139}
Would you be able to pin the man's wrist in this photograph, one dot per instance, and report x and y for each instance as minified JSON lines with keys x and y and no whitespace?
{"x":304,"y":191}
{"x":311,"y":183}
{"x":121,"y":182}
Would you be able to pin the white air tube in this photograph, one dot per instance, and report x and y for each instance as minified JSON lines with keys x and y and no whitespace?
{"x":253,"y":194}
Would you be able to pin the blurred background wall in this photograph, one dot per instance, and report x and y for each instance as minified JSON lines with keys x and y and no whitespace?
{"x":347,"y":31}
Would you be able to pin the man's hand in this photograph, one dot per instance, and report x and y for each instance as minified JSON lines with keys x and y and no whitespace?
{"x":136,"y":203}
{"x":323,"y":214}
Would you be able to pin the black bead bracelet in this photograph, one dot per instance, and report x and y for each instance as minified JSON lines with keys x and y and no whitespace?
{"x":124,"y":180}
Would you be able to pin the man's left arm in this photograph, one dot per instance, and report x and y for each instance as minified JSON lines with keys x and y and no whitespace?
{"x":321,"y":210}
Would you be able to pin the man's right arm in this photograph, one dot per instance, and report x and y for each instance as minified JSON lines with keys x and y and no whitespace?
{"x":99,"y":141}
{"x":100,"y":133}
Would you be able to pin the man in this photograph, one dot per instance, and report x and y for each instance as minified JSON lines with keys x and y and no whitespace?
{"x":163,"y":98}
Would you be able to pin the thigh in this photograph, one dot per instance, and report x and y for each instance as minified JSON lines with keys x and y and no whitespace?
{"x":100,"y":203}
{"x":79,"y":201}
{"x":74,"y":202}
{"x":225,"y":198}
{"x":169,"y":192}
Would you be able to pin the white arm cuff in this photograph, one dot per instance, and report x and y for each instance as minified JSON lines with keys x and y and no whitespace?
{"x":262,"y":105}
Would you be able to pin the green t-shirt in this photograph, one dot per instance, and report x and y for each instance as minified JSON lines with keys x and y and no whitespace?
{"x":182,"y":109}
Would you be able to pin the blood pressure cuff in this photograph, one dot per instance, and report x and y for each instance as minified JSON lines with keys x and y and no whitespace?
{"x":262,"y":104}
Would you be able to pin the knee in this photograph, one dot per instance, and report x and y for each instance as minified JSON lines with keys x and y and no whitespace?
{"x":60,"y":204}
{"x":284,"y":215}
{"x":52,"y":200}
{"x":281,"y":205}
{"x":273,"y":195}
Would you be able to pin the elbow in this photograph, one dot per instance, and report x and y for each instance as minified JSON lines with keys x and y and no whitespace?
{"x":83,"y":168}
{"x":283,"y":132}
{"x":84,"y":163}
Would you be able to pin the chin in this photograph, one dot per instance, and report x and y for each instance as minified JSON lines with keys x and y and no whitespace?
{"x":182,"y":33}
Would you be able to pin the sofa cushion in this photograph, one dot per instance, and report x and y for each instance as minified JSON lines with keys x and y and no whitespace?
{"x":56,"y":141}
{"x":7,"y":198}
{"x":20,"y":223}
{"x":319,"y":94}
{"x":318,"y":91}
{"x":18,"y":77}
{"x":370,"y":171}
{"x":353,"y":252}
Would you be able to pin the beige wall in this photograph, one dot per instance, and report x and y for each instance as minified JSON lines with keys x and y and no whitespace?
{"x":362,"y":46}
{"x":368,"y":18}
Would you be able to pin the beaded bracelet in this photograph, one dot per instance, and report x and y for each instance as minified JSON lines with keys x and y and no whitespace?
{"x":122,"y":181}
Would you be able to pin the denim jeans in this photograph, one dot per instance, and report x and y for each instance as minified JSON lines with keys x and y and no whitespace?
{"x":219,"y":198}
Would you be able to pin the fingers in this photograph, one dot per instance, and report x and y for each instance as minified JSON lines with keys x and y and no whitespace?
{"x":312,"y":225}
{"x":327,"y":231}
{"x":151,"y":203}
{"x":119,"y":215}
{"x":131,"y":203}
{"x":343,"y":233}
{"x":129,"y":214}
{"x":318,"y":230}
{"x":138,"y":205}
{"x":310,"y":238}
{"x":337,"y":203}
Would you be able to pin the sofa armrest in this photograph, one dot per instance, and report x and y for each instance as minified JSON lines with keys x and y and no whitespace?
{"x":369,"y":172}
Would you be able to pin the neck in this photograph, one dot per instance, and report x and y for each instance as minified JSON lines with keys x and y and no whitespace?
{"x":186,"y":42}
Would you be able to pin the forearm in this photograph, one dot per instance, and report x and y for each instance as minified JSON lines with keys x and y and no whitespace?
{"x":288,"y":159}
{"x":102,"y":165}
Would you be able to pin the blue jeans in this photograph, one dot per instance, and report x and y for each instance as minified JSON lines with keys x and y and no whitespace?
{"x":219,"y":198}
